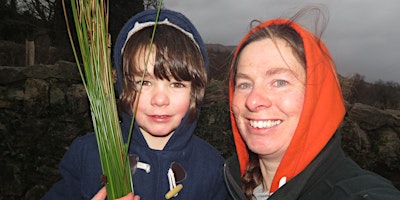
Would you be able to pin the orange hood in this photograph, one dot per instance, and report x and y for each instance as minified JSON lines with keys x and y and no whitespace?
{"x":322,"y":112}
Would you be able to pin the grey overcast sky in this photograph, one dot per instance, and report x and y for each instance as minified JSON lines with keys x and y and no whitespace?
{"x":363,"y":36}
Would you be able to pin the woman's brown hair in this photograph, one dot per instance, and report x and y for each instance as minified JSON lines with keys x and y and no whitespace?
{"x":253,"y":177}
{"x":283,"y":31}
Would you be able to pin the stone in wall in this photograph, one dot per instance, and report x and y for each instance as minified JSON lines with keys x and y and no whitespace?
{"x":36,"y":97}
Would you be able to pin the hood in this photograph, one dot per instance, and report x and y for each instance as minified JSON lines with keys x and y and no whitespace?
{"x":322,"y":113}
{"x":139,"y":21}
{"x":145,"y":19}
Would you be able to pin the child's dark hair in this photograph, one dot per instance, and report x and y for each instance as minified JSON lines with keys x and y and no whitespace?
{"x":177,"y":56}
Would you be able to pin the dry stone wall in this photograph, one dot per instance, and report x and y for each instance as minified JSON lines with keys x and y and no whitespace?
{"x":44,"y":107}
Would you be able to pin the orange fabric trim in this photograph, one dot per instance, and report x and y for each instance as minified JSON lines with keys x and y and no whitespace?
{"x":241,"y":148}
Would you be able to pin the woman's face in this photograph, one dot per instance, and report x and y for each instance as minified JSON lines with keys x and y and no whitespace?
{"x":268,"y":96}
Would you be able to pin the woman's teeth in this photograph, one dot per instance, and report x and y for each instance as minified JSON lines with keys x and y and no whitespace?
{"x":264,"y":124}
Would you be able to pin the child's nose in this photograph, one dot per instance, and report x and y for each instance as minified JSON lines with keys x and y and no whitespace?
{"x":160,"y":97}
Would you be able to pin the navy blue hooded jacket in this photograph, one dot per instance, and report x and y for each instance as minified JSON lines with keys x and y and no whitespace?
{"x":80,"y":167}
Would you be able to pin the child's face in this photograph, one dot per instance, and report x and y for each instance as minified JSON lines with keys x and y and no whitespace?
{"x":162,"y":103}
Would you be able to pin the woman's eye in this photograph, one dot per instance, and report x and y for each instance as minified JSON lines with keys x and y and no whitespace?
{"x":243,"y":85}
{"x":280,"y":83}
{"x":178,"y":85}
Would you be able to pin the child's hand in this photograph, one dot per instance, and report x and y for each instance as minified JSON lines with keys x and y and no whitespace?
{"x":102,"y":194}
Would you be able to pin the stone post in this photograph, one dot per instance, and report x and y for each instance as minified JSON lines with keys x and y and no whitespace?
{"x":29,"y":52}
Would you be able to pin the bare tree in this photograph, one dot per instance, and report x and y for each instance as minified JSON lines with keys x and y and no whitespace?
{"x":151,"y":4}
{"x":43,"y":10}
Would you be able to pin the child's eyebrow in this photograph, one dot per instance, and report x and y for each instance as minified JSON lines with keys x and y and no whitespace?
{"x":146,"y":75}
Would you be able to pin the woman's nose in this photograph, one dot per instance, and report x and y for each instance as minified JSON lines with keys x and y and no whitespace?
{"x":258,"y":99}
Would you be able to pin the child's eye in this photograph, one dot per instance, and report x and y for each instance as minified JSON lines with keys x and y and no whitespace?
{"x":178,"y":85}
{"x":144,"y":83}
{"x":280,"y":83}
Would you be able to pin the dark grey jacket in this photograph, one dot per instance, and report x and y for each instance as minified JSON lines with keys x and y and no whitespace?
{"x":331,"y":176}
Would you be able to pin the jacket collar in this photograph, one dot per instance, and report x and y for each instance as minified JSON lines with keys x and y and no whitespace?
{"x":177,"y":142}
{"x":299,"y":184}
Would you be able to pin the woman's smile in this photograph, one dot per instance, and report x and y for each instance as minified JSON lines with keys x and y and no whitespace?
{"x":264,"y":123}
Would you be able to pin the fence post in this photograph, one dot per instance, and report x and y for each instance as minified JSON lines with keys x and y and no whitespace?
{"x":29,"y":52}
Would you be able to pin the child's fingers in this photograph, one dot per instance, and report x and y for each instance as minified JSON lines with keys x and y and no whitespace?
{"x":101,"y":194}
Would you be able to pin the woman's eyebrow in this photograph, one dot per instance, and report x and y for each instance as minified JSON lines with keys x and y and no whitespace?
{"x":241,"y":75}
{"x":277,"y":70}
{"x":269,"y":72}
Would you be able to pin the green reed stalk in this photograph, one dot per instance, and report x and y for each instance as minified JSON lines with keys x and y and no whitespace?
{"x":91,"y":23}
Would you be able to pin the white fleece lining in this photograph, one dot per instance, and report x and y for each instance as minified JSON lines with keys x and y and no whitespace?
{"x":139,"y":26}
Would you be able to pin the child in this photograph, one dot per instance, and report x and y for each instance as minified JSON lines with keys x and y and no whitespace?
{"x":168,"y":154}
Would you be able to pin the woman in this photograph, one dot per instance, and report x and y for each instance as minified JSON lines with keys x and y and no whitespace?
{"x":287,"y":105}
